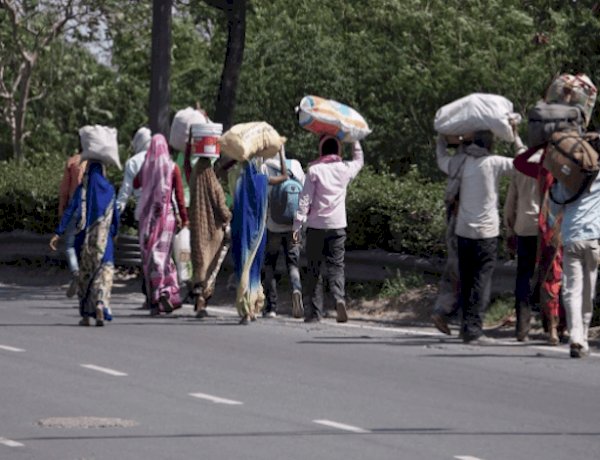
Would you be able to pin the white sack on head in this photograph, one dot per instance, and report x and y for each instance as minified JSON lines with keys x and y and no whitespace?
{"x":247,"y":140}
{"x":180,"y":127}
{"x":477,"y":112}
{"x":100,"y":143}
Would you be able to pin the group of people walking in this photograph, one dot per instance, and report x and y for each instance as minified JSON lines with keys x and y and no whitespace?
{"x":556,"y":242}
{"x":554,"y":239}
{"x":170,"y":198}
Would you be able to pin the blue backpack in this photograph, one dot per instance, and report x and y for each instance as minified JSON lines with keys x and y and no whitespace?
{"x":284,"y":198}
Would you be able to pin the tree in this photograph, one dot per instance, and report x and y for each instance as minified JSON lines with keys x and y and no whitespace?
{"x":161,"y":66}
{"x":32,"y":27}
{"x":235,"y":12}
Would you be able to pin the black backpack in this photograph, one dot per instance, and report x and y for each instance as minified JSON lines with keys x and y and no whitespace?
{"x":545,"y":119}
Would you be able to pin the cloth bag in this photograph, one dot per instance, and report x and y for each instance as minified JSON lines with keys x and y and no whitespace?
{"x":247,"y":140}
{"x":181,"y":124}
{"x":99,"y":143}
{"x":477,"y":112}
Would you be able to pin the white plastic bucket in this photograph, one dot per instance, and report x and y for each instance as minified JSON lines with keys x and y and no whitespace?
{"x":205,"y":138}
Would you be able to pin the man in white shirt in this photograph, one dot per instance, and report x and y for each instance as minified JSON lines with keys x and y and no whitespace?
{"x":140,"y":143}
{"x":279,"y":236}
{"x":477,"y":226}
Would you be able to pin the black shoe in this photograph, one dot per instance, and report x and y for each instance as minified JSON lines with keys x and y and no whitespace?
{"x":342,"y":315}
{"x":482,"y":340}
{"x":577,"y":351}
{"x":441,"y":324}
{"x":245,"y":320}
{"x":312,"y":319}
{"x":166,"y":304}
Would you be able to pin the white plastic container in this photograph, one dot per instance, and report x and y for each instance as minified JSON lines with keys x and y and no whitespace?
{"x":182,"y":253}
{"x":206,"y":139}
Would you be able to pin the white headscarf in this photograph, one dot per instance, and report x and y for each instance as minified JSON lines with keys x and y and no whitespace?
{"x":141,"y":140}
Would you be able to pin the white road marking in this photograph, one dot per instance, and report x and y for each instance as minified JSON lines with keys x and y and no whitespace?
{"x":341,"y":426}
{"x":7,"y":348}
{"x":10,"y":443}
{"x":466,"y":457}
{"x":105,"y":370}
{"x":216,"y":399}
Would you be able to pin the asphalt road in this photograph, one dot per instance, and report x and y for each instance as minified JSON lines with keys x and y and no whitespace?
{"x":181,"y":388}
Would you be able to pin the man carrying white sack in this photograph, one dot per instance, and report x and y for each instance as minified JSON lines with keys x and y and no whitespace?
{"x":477,"y":224}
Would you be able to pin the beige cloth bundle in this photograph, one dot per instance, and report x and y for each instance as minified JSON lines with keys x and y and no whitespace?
{"x":247,"y":140}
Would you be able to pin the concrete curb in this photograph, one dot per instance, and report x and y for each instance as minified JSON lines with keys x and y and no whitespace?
{"x":361,"y":265}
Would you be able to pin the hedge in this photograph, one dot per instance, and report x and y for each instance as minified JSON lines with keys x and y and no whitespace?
{"x":402,"y":214}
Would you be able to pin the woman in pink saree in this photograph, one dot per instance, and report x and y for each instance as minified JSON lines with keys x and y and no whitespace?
{"x":160,"y":179}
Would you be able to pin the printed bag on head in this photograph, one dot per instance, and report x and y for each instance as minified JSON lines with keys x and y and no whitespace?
{"x":100,"y":143}
{"x":284,"y":198}
{"x":576,"y":90}
{"x":572,"y":161}
{"x":325,"y":116}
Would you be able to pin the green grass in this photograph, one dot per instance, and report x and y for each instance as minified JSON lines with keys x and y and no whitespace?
{"x":500,"y":308}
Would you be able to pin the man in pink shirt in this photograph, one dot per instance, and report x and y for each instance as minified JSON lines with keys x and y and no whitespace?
{"x":322,"y":210}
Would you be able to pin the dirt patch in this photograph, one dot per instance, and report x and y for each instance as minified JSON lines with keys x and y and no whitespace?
{"x":412,"y":307}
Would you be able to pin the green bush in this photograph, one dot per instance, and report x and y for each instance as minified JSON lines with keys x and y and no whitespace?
{"x":29,"y":194}
{"x":402,"y":214}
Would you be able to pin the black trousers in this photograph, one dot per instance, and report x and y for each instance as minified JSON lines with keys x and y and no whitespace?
{"x":476,"y":262}
{"x":326,"y":246}
{"x":526,"y":254}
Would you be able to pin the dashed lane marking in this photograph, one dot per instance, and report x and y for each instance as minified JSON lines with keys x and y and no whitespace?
{"x":216,"y":399}
{"x":466,"y":457}
{"x":341,"y":426}
{"x":7,"y":348}
{"x":10,"y":443}
{"x":105,"y":370}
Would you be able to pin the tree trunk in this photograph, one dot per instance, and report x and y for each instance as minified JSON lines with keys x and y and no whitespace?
{"x":236,"y":25}
{"x":161,"y":67}
{"x":21,"y":111}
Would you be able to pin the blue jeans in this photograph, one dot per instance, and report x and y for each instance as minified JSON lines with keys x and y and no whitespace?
{"x":70,"y":252}
{"x":275,"y":243}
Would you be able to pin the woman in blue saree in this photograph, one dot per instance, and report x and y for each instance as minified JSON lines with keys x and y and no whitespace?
{"x":97,"y":216}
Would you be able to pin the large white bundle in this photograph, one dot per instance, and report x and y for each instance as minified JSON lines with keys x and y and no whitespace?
{"x":100,"y":143}
{"x":180,"y":127}
{"x":247,"y":140}
{"x":477,"y":112}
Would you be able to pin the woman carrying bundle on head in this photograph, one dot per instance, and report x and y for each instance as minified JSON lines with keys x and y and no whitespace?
{"x":210,"y":234}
